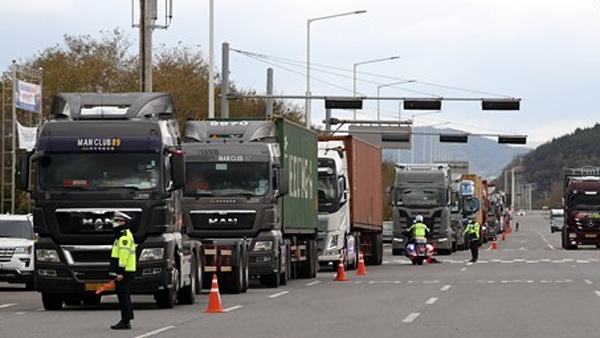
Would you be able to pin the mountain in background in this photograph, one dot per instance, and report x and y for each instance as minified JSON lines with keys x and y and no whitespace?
{"x":486,"y":157}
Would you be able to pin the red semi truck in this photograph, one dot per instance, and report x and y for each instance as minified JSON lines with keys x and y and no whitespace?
{"x":581,"y":201}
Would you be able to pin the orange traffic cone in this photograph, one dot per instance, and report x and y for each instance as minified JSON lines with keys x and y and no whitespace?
{"x":341,"y":273}
{"x":504,"y":236}
{"x":494,"y":245}
{"x":214,"y":299}
{"x":508,"y":230}
{"x":362,"y":270}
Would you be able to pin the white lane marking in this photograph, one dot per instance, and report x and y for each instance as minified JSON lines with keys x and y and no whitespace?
{"x":445,"y":287}
{"x":545,"y":260}
{"x":470,"y":263}
{"x":519,"y":260}
{"x":582,"y":261}
{"x":588,"y":282}
{"x":385,"y":262}
{"x":431,"y":300}
{"x":4,"y":306}
{"x":40,"y":309}
{"x":531,"y":262}
{"x":233,"y":308}
{"x":279,"y":294}
{"x":547,"y":243}
{"x":431,"y":281}
{"x":19,"y":313}
{"x":313,"y":283}
{"x":568,"y":259}
{"x":463,"y":269}
{"x":597,"y":293}
{"x":411,"y":317}
{"x":155,"y":332}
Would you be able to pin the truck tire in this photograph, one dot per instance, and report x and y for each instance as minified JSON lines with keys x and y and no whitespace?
{"x":52,"y":301}
{"x":379,"y":249}
{"x":187,"y":294}
{"x":92,"y":300}
{"x":167,"y":299}
{"x":353,"y":258}
{"x":234,"y":281}
{"x":307,"y":269}
{"x":246,"y":273}
{"x":30,"y":284}
{"x":285,"y":276}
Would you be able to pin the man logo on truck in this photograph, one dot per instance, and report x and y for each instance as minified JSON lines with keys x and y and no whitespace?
{"x":223,"y":221}
{"x":98,"y":223}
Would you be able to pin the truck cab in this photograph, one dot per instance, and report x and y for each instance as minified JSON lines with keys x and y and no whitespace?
{"x":581,"y":208}
{"x":102,"y":153}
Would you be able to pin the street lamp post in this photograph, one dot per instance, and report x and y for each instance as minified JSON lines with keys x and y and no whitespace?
{"x":308,"y":22}
{"x":364,"y":63}
{"x":379,"y":89}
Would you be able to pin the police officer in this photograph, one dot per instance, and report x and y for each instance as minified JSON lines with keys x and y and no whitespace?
{"x":473,"y":231}
{"x":419,"y":229}
{"x":122,"y":266}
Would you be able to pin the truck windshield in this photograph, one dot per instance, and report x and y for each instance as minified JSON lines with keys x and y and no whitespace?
{"x":16,"y":229}
{"x":99,"y":171}
{"x":420,"y":197}
{"x":558,"y":220}
{"x":226,"y":179}
{"x":584,"y":202}
{"x":328,"y":190}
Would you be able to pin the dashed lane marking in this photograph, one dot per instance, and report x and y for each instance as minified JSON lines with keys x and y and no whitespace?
{"x":19,"y":313}
{"x":445,"y":287}
{"x":431,"y":301}
{"x":597,"y":293}
{"x":4,"y":306}
{"x":411,"y":317}
{"x":588,"y":282}
{"x":463,"y":269}
{"x":279,"y":294}
{"x":547,"y":243}
{"x":155,"y":332}
{"x":233,"y":308}
{"x":313,"y":283}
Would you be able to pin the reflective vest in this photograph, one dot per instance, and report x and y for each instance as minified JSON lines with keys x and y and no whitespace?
{"x":473,"y":228}
{"x":419,"y":229}
{"x":123,"y":254}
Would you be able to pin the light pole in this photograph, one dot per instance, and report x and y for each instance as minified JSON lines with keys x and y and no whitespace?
{"x":308,"y":22}
{"x":211,"y":62}
{"x":379,"y":89}
{"x":364,"y":63}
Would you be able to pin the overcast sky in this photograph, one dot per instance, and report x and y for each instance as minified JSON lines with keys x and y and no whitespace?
{"x":546,"y":52}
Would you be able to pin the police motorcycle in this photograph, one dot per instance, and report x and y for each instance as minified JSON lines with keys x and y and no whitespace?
{"x":418,"y":250}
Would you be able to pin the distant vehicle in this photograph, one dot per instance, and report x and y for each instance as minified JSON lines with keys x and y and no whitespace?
{"x":581,"y":206}
{"x":557,"y":220}
{"x":388,"y":231}
{"x":16,"y":249}
{"x":521,"y":213}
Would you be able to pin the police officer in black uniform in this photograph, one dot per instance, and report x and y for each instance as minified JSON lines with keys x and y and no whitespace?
{"x":122,"y":267}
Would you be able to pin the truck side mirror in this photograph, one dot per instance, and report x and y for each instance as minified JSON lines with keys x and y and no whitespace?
{"x":283,"y":182}
{"x":23,"y":172}
{"x":177,"y":160}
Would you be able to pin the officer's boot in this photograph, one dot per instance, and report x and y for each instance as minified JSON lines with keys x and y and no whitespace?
{"x":121,"y":326}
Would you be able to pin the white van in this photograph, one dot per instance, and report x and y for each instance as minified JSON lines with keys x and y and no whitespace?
{"x":557,"y":219}
{"x":16,"y":249}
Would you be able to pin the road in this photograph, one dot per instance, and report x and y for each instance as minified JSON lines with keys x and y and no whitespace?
{"x":528,"y":287}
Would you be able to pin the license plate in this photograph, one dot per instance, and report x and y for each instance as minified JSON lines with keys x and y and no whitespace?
{"x":590,"y":235}
{"x":97,"y":286}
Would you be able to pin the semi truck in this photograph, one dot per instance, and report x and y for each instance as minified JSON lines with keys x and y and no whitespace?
{"x":581,"y":204}
{"x":350,"y":201}
{"x":422,"y":189}
{"x":98,"y":154}
{"x":251,"y":198}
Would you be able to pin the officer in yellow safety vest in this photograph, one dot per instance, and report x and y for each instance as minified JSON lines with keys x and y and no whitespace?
{"x":419,"y":229}
{"x":122,"y":266}
{"x":473,"y":231}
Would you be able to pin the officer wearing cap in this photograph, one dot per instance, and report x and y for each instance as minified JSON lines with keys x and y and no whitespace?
{"x":473,"y":231}
{"x":122,"y":266}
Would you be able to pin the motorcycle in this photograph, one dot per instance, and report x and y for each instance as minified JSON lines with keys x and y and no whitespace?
{"x":419,"y":251}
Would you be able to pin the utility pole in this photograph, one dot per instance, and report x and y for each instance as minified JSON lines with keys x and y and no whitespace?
{"x":145,"y":46}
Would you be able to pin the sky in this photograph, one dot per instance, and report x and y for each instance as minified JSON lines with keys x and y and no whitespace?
{"x":544,"y":52}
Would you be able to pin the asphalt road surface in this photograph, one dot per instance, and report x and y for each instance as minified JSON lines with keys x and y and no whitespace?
{"x":528,"y":287}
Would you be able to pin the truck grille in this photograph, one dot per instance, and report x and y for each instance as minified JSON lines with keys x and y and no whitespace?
{"x":6,"y":254}
{"x":92,"y":275}
{"x":219,"y":220}
{"x":87,"y":253}
{"x":92,"y":221}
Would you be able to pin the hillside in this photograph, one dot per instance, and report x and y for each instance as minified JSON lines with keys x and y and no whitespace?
{"x":487,"y":158}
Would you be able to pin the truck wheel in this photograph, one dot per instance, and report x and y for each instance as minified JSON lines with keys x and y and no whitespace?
{"x":234,"y":281}
{"x":52,"y":301}
{"x":353,"y":257}
{"x":246,"y":274}
{"x":187,"y":294}
{"x":377,"y":249}
{"x":285,"y":276}
{"x":72,"y":300}
{"x":199,"y":277}
{"x":454,"y":246}
{"x":166,"y":299}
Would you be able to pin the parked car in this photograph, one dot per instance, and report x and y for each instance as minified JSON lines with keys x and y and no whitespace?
{"x":388,"y":231}
{"x":557,"y":220}
{"x":16,"y":249}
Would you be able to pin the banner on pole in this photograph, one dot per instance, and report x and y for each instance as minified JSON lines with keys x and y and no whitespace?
{"x":27,"y":137}
{"x":28,"y":96}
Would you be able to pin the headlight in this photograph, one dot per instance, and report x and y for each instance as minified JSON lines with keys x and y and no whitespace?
{"x":47,"y":255}
{"x":263,"y":245}
{"x":23,"y":250}
{"x":152,"y":254}
{"x":333,"y":242}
